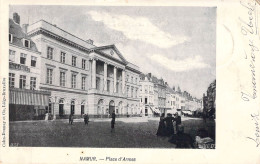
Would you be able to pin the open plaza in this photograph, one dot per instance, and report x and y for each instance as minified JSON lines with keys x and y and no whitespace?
{"x":129,"y":133}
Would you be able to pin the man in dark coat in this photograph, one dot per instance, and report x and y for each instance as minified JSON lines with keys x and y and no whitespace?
{"x":113,"y":121}
{"x":178,"y":121}
{"x":70,"y":119}
{"x":169,"y":124}
{"x":86,"y":119}
{"x":161,"y":129}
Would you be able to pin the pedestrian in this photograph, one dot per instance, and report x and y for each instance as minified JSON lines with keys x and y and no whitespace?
{"x":205,"y":118}
{"x":113,"y":121}
{"x":161,"y":129}
{"x":169,"y":124}
{"x":86,"y":119}
{"x":70,"y":119}
{"x":178,"y":121}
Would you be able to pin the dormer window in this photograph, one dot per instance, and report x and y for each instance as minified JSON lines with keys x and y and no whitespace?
{"x":11,"y":38}
{"x":26,"y":43}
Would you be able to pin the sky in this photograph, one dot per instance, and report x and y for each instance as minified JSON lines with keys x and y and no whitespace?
{"x":177,"y":44}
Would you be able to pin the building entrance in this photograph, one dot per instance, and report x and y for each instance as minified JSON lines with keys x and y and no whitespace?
{"x":111,"y":107}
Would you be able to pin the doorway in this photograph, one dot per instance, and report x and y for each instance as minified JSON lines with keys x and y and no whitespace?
{"x":111,"y":107}
{"x":61,"y":107}
{"x":72,"y":107}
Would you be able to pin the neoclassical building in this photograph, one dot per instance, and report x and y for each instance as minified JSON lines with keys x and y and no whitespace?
{"x":83,"y":78}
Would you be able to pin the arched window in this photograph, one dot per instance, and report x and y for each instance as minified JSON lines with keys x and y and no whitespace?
{"x":120,"y":108}
{"x":61,"y":107}
{"x":82,"y":107}
{"x":111,"y":106}
{"x":72,"y":107}
{"x":100,"y":109}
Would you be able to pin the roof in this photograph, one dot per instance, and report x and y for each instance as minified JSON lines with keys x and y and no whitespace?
{"x":170,"y":90}
{"x":18,"y":36}
{"x":46,"y":28}
{"x":110,"y":46}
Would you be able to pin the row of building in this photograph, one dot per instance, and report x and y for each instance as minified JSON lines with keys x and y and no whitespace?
{"x":52,"y":71}
{"x":158,"y":97}
{"x":209,"y":101}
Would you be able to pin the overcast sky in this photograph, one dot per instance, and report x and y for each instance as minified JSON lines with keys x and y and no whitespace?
{"x":175,"y":43}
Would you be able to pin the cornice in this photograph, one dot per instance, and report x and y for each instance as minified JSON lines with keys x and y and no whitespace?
{"x":59,"y":38}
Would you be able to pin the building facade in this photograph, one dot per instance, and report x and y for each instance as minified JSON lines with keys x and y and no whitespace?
{"x":26,"y":101}
{"x":148,"y":96}
{"x":83,"y":78}
{"x":209,"y":101}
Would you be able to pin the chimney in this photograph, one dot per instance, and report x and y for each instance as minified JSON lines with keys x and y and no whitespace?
{"x":16,"y":18}
{"x":25,"y":27}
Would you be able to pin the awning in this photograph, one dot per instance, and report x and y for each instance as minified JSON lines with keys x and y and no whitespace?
{"x":155,"y":110}
{"x":28,"y":97}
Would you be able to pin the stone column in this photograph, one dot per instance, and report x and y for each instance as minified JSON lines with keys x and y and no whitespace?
{"x":93,"y":73}
{"x":105,"y":76}
{"x":123,"y":81}
{"x":115,"y":79}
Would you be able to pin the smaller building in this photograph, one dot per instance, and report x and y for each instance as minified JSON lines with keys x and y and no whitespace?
{"x":148,"y":96}
{"x":26,"y":101}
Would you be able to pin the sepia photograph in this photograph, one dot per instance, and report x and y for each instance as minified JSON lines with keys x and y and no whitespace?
{"x":112,"y":76}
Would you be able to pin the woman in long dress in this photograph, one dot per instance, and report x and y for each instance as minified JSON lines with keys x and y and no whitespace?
{"x":162,"y":128}
{"x":169,"y":124}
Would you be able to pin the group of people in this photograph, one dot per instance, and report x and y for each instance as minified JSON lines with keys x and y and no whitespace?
{"x":86,"y":120}
{"x":166,"y":127}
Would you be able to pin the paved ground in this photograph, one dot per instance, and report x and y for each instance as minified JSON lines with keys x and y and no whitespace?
{"x":129,"y":132}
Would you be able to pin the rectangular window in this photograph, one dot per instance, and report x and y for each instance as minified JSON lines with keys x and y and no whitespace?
{"x":11,"y":80}
{"x":27,"y":43}
{"x":83,"y":64}
{"x":23,"y":58}
{"x":97,"y":83}
{"x":11,"y":55}
{"x":33,"y":61}
{"x":49,"y":75}
{"x":62,"y":57}
{"x":108,"y":85}
{"x":49,"y":52}
{"x":127,"y":92}
{"x":73,"y":80}
{"x":33,"y":83}
{"x":22,"y":81}
{"x":62,"y":79}
{"x":132,"y":79}
{"x":11,"y":38}
{"x":117,"y":87}
{"x":83,"y":83}
{"x":74,"y":59}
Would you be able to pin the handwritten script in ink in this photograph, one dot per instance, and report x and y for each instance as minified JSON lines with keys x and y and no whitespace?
{"x":256,"y":138}
{"x":249,"y":31}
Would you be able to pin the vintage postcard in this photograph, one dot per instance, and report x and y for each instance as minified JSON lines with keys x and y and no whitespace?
{"x":130,"y":82}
